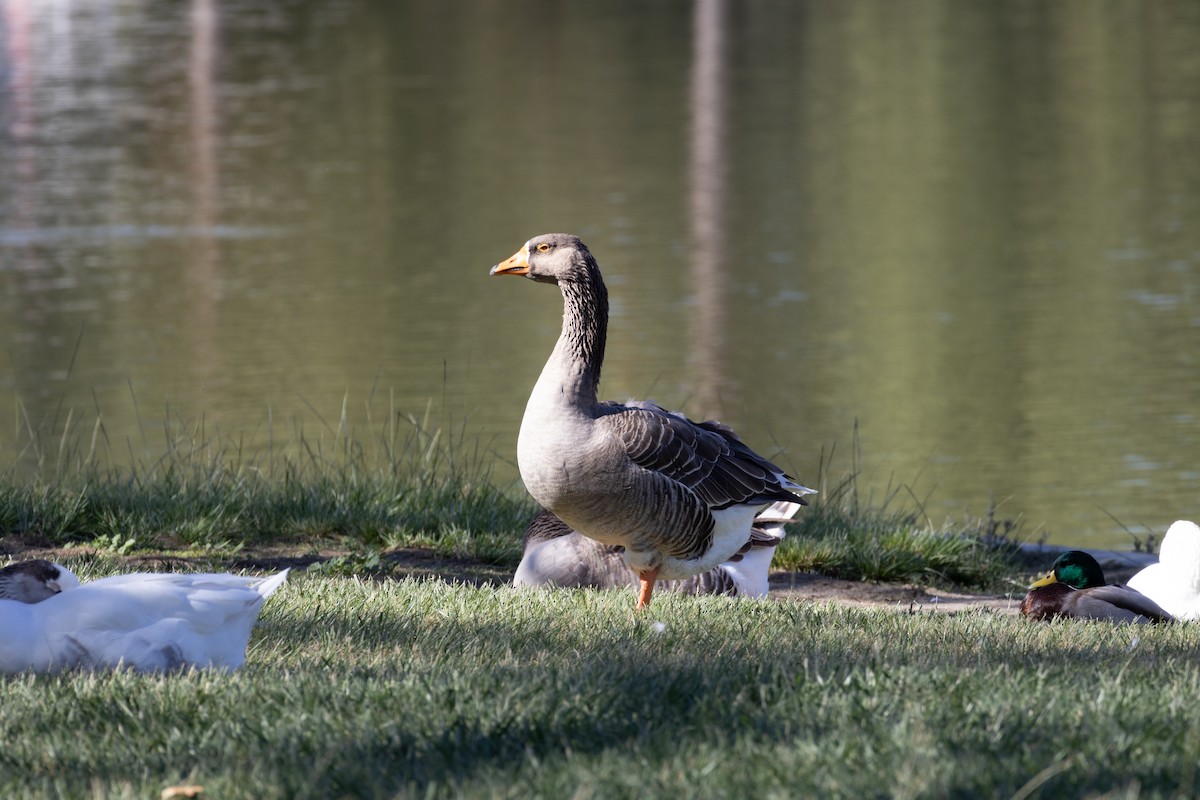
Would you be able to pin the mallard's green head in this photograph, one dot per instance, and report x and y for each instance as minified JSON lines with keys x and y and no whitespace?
{"x":1076,"y":569}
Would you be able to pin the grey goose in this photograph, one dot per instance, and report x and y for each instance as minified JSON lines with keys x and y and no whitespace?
{"x":679,"y":496}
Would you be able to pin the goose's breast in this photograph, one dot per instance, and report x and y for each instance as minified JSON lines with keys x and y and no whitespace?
{"x":566,"y":463}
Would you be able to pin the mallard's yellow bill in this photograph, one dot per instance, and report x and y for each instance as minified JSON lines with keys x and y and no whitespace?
{"x":1045,"y":580}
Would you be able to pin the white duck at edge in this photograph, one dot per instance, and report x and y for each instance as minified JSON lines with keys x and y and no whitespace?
{"x":140,"y":621}
{"x":679,"y":496}
{"x":1174,"y":582}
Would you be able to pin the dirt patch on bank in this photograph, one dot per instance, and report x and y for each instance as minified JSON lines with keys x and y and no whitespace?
{"x":811,"y":587}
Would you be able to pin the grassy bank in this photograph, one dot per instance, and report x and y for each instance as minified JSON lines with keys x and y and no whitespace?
{"x":224,"y":513}
{"x":425,"y":689}
{"x":405,"y":483}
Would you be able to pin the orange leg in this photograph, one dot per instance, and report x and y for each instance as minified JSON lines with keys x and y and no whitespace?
{"x":648,"y":578}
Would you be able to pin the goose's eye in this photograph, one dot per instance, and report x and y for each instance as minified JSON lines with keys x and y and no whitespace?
{"x":543,"y":248}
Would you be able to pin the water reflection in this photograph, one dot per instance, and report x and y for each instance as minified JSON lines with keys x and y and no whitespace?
{"x":971,"y":228}
{"x":707,"y":197}
{"x":202,"y":272}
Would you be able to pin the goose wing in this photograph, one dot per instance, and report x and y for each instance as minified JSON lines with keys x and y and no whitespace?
{"x":706,"y":457}
{"x":545,"y":527}
{"x":718,"y":581}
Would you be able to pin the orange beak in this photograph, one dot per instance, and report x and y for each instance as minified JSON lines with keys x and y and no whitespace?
{"x":518,"y":264}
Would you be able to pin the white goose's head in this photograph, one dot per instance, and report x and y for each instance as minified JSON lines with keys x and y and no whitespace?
{"x":35,"y":581}
{"x":551,"y":258}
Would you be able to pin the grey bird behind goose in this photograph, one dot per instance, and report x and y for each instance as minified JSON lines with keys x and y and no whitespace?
{"x":555,"y":555}
{"x":679,"y":496}
{"x":35,"y":580}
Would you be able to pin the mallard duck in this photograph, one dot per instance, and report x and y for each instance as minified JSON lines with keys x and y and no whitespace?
{"x":142,"y":621}
{"x":1075,"y":589}
{"x":679,"y":496}
{"x":34,"y":580}
{"x":555,"y":555}
{"x":1174,"y":582}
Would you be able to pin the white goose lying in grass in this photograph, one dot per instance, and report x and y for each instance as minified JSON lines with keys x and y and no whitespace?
{"x":1174,"y":582}
{"x":679,"y":496}
{"x":142,"y":621}
{"x":555,"y":555}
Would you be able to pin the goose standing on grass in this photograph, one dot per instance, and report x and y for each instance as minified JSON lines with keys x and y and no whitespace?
{"x":1174,"y":582}
{"x":35,"y":580}
{"x":555,"y":555}
{"x":142,"y":621}
{"x":1075,"y":589}
{"x":679,"y":496}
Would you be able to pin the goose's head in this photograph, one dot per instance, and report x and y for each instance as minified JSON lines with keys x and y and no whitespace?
{"x":1076,"y":569}
{"x":550,"y":258}
{"x":35,"y":581}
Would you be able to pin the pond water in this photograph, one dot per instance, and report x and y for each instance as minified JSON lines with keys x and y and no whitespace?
{"x":968,"y":231}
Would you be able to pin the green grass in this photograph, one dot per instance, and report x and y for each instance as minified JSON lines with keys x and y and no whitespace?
{"x":386,"y":688}
{"x":227,"y":512}
{"x":426,"y":689}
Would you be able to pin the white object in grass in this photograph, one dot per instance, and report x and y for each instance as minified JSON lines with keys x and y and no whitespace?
{"x":141,"y":621}
{"x":1174,"y":582}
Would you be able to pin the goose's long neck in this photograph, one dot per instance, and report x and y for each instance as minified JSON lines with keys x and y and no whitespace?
{"x":574,"y":366}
